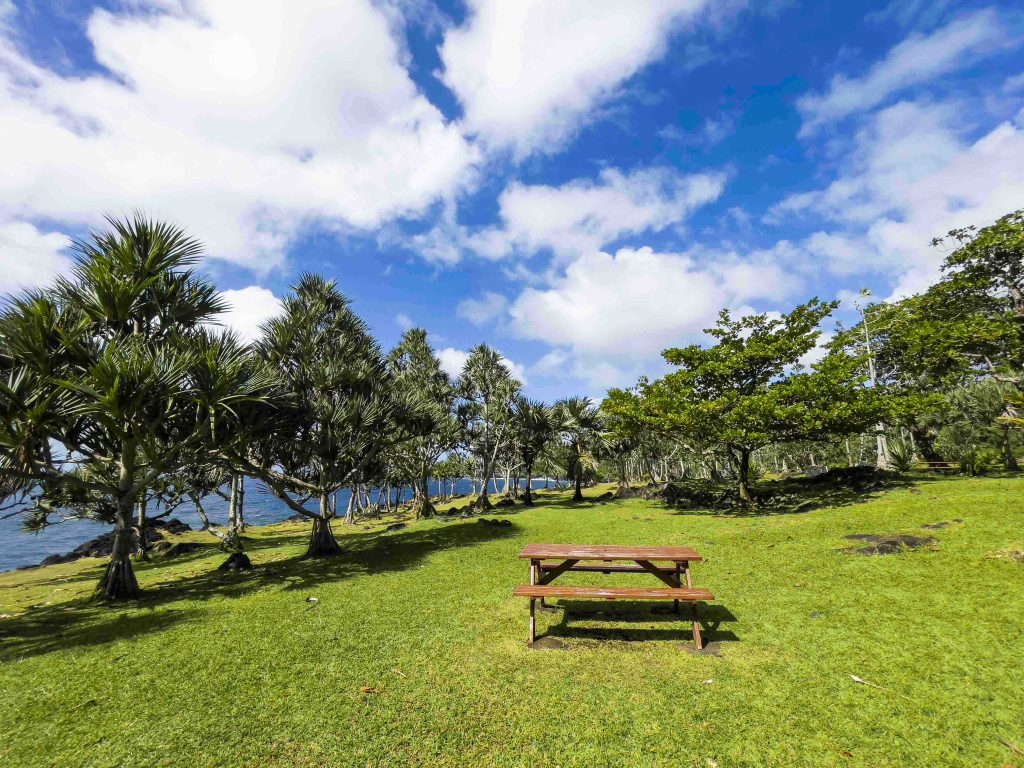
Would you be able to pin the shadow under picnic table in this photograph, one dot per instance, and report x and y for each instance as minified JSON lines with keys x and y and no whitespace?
{"x":676,"y":625}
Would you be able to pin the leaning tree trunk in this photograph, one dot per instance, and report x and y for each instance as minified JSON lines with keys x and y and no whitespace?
{"x":118,"y":581}
{"x":321,"y":541}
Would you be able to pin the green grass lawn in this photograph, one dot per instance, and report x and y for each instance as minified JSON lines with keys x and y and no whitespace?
{"x":415,"y":653}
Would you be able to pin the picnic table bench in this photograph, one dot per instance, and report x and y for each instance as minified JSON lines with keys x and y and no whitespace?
{"x":670,"y":565}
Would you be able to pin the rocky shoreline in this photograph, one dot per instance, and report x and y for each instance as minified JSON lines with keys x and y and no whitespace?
{"x":103,"y":545}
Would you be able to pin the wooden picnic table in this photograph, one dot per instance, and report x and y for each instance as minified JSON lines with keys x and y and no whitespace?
{"x":670,"y":565}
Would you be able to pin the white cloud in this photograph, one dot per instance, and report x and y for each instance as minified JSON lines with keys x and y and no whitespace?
{"x":617,"y":312}
{"x":248,"y":309}
{"x":918,"y":59}
{"x":529,"y":73}
{"x":912,"y":175}
{"x":482,"y":310}
{"x":583,"y":215}
{"x":551,"y":363}
{"x":453,"y":360}
{"x":403,"y":321}
{"x":30,"y":258}
{"x":242,"y":125}
{"x":712,"y":131}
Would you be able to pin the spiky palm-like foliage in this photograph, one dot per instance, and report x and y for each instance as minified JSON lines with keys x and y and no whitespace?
{"x":106,"y":385}
{"x":580,"y":423}
{"x":535,"y":428}
{"x":343,"y":412}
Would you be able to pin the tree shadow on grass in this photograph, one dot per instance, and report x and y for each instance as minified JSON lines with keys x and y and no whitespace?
{"x":677,"y":627}
{"x":55,"y":628}
{"x":44,"y":629}
{"x":796,"y":496}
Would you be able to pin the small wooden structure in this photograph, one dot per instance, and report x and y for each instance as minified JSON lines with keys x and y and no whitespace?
{"x":670,"y":565}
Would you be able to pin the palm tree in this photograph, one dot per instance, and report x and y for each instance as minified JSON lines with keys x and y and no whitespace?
{"x":104,"y":384}
{"x":536,"y":428}
{"x":579,"y":422}
{"x":418,"y":373}
{"x":343,"y":412}
{"x":487,"y":392}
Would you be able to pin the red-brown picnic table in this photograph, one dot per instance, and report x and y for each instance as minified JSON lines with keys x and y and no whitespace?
{"x":607,"y":558}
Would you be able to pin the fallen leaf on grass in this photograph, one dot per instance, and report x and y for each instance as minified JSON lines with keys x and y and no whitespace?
{"x":312,"y":599}
{"x":368,"y":689}
{"x":877,"y":687}
{"x":398,"y":672}
{"x":709,"y":682}
{"x":1011,"y":746}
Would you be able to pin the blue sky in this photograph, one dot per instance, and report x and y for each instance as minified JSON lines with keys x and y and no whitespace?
{"x":578,"y":183}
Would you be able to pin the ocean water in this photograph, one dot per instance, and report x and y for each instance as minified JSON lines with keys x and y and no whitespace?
{"x":18,"y":548}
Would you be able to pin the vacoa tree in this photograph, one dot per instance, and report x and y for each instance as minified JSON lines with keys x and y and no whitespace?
{"x":105,"y":384}
{"x":342,"y":413}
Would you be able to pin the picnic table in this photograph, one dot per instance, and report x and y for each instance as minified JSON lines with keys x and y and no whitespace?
{"x":670,"y":565}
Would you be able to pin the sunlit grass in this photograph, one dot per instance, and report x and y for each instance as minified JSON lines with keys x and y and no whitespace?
{"x":414,"y":653}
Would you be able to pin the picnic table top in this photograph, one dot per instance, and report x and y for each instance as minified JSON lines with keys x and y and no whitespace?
{"x":608,"y":552}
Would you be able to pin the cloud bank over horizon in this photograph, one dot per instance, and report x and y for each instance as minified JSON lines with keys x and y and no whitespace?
{"x":580,"y":184}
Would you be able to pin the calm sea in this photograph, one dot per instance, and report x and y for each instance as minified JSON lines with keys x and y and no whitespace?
{"x":18,"y":548}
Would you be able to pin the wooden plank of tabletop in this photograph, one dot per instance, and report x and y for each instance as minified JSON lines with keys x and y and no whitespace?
{"x":608,"y":552}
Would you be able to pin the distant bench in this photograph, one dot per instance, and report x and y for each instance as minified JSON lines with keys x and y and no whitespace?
{"x":645,"y":560}
{"x":936,"y":466}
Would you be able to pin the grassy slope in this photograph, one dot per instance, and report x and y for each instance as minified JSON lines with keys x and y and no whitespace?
{"x":226,"y":670}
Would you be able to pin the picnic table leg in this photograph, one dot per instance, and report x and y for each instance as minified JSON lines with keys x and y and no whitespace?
{"x":535,"y":575}
{"x":697,"y":643}
{"x":679,"y":583}
{"x":533,"y":622}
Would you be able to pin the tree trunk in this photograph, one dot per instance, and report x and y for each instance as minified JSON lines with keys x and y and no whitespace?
{"x":528,"y":492}
{"x":743,"y":473}
{"x":578,"y":493}
{"x":232,"y":541}
{"x":118,"y":581}
{"x":423,"y":505}
{"x":142,"y":545}
{"x":321,"y":541}
{"x":1009,"y":461}
{"x":350,"y":512}
{"x":925,"y":442}
{"x":240,"y":511}
{"x":882,"y":458}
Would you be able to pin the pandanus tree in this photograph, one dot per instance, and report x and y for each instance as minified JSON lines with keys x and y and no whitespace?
{"x":535,"y":428}
{"x":487,"y":393}
{"x":343,"y":413}
{"x":579,"y":421}
{"x":105,"y":387}
{"x":418,"y":374}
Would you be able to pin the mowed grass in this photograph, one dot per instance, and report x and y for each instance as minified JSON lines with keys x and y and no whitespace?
{"x":414,"y":653}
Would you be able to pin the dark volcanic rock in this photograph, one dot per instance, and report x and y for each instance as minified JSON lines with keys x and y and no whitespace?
{"x":238,"y":561}
{"x":396,"y":527}
{"x":485,"y":521}
{"x":887,"y":545}
{"x":506,"y":502}
{"x":173,"y":525}
{"x":165,"y":549}
{"x":940,"y":526}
